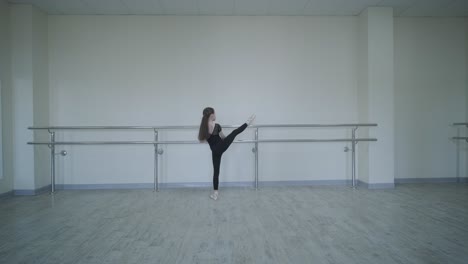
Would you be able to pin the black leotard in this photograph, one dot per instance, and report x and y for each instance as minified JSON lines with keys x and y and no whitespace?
{"x":214,"y":138}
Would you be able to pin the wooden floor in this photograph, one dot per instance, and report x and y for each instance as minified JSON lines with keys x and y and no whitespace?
{"x":422,"y":223}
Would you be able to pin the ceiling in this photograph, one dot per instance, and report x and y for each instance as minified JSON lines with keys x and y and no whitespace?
{"x":247,"y":7}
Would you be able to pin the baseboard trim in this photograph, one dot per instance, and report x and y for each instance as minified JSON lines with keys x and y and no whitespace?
{"x":6,"y":194}
{"x":204,"y":184}
{"x":23,"y":192}
{"x":111,"y":186}
{"x":306,"y":183}
{"x":43,"y":189}
{"x":32,"y":192}
{"x":432,"y":180}
{"x":199,"y":185}
{"x":120,"y":186}
{"x":377,"y":186}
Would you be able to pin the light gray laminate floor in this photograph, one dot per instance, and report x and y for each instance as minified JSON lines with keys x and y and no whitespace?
{"x":414,"y":223}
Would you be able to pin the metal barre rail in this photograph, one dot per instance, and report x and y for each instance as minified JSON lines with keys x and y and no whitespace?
{"x":195,"y":142}
{"x":459,"y":138}
{"x":460,"y":124}
{"x":52,"y":143}
{"x":194,"y":126}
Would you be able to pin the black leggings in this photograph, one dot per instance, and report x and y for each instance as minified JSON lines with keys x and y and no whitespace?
{"x":218,"y":151}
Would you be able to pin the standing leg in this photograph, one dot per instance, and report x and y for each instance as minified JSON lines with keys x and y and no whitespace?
{"x":216,"y":165}
{"x":230,"y":138}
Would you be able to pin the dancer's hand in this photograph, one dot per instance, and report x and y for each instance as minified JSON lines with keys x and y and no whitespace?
{"x":251,"y":119}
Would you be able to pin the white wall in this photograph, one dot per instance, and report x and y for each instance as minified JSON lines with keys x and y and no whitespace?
{"x":430,"y":94}
{"x":30,"y":95}
{"x":465,"y":152}
{"x":1,"y":140}
{"x":40,"y":66}
{"x":147,"y":70}
{"x":376,"y":92}
{"x":22,"y":81}
{"x":6,"y":181}
{"x":363,"y":95}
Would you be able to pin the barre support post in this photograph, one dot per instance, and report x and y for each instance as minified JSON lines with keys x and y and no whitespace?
{"x":353,"y":157}
{"x":156,"y":180}
{"x":256,"y":159}
{"x":52,"y":161}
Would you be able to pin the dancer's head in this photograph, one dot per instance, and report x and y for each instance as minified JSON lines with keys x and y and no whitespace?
{"x":208,"y":115}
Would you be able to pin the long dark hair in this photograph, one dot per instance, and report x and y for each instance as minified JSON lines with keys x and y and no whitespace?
{"x":203,"y":134}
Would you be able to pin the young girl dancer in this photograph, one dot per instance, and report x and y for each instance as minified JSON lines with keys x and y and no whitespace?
{"x":212,"y":132}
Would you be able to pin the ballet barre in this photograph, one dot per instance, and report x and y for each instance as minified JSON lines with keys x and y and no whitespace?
{"x":460,"y":124}
{"x":196,"y":127}
{"x":460,"y":138}
{"x":52,"y":143}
